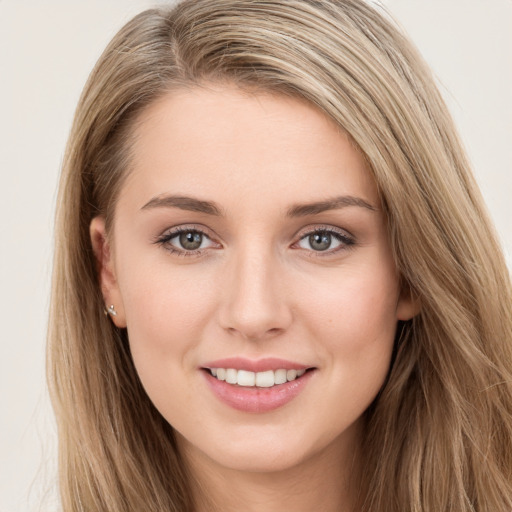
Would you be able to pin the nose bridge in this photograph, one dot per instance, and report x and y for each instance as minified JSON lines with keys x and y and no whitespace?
{"x":255,"y":303}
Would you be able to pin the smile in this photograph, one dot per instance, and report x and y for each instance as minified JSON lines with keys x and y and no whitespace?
{"x":257,"y":386}
{"x":266,"y":379}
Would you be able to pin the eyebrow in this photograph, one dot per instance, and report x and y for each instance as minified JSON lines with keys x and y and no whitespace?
{"x":302,"y":210}
{"x":183,"y":203}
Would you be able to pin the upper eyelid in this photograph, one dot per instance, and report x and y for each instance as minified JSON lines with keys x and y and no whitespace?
{"x":176,"y":230}
{"x":323,"y":227}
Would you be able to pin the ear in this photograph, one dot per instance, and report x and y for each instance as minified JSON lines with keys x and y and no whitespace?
{"x":409,"y":304}
{"x":106,"y":270}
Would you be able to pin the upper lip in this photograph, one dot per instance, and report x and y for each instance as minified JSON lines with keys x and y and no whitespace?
{"x":258,"y":365}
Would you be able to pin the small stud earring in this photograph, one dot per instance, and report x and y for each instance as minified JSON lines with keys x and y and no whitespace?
{"x":110,"y":310}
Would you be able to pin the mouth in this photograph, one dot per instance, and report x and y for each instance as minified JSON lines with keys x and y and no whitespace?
{"x":257,"y":386}
{"x":264,"y":379}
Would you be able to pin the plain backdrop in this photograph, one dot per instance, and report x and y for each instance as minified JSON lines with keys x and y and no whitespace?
{"x":47,"y":49}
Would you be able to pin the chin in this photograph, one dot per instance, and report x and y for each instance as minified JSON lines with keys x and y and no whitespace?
{"x":261,"y":460}
{"x":264,"y":450}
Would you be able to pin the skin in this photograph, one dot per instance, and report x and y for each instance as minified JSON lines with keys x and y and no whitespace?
{"x":256,"y":288}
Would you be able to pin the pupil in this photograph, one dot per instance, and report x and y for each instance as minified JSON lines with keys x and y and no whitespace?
{"x":191,"y":240}
{"x":320,"y":241}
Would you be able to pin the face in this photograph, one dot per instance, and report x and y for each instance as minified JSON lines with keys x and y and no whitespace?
{"x":249,"y":262}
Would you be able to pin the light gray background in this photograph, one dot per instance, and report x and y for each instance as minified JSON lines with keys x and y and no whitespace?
{"x":47,"y":49}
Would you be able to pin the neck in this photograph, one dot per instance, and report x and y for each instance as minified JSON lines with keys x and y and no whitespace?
{"x":327,"y":481}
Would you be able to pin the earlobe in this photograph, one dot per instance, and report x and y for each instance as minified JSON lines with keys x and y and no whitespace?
{"x":106,"y":271}
{"x":409,"y":305}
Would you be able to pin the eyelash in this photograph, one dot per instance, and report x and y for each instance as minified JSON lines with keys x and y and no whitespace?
{"x":163,"y":240}
{"x":347,"y":241}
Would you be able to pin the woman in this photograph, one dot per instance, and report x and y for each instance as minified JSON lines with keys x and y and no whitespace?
{"x":275,"y":284}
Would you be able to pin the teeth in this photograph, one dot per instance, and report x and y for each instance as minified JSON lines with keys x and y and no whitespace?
{"x":280,"y":377}
{"x":259,"y":379}
{"x":231,"y":376}
{"x":246,"y":378}
{"x":291,"y":374}
{"x":265,"y":379}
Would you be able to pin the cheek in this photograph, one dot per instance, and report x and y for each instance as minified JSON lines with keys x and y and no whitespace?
{"x":358,"y":304}
{"x":165,"y":296}
{"x":164,"y":315}
{"x":166,"y":311}
{"x":354,"y":325}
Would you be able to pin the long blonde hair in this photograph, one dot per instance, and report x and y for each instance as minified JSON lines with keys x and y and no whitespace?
{"x":439,"y":435}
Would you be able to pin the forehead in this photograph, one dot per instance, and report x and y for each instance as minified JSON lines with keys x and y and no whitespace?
{"x":229,"y":143}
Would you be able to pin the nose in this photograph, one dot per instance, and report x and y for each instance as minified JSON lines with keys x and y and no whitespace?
{"x":255,"y":303}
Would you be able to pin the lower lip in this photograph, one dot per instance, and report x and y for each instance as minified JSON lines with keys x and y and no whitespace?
{"x":254,"y":399}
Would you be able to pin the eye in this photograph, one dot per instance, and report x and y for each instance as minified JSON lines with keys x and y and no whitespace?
{"x":324,"y":240}
{"x":190,"y":240}
{"x":185,"y":241}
